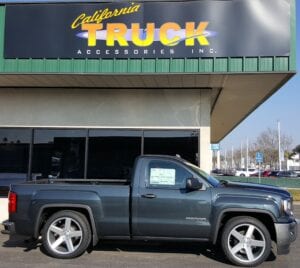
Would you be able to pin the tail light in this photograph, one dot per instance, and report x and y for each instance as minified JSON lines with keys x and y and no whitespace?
{"x":12,"y":202}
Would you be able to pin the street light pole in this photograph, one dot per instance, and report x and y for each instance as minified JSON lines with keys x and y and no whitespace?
{"x":226,"y":159}
{"x":279,"y":145}
{"x":247,"y":156}
{"x":241,"y":154}
{"x":231,"y":157}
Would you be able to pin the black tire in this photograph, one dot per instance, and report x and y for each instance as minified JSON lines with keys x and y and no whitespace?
{"x":245,"y":247}
{"x":66,"y":234}
{"x":242,"y":175}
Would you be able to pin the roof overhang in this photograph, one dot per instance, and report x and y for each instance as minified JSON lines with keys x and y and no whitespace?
{"x":234,"y":96}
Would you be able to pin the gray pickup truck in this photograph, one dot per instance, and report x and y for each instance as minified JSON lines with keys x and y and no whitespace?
{"x":166,"y":199}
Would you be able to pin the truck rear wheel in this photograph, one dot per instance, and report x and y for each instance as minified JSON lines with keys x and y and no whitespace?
{"x":246,"y":241}
{"x":66,"y":234}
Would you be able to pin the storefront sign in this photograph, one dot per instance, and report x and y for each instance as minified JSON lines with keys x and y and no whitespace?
{"x":148,"y":29}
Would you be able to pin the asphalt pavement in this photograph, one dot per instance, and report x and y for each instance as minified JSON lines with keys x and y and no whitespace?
{"x":16,"y":253}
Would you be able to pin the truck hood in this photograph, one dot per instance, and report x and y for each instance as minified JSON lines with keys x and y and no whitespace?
{"x":267,"y":189}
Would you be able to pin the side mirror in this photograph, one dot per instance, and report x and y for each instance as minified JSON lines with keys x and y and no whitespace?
{"x":193,"y":184}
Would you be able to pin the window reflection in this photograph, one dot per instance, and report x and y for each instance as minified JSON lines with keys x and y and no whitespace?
{"x":14,"y":155}
{"x":112,"y":153}
{"x":59,"y":153}
{"x":172,"y":142}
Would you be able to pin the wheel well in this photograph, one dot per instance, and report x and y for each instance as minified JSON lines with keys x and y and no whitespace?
{"x":48,"y":212}
{"x":266,"y":219}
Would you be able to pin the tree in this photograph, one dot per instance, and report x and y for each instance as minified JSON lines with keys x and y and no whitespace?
{"x":297,"y":149}
{"x":267,"y":143}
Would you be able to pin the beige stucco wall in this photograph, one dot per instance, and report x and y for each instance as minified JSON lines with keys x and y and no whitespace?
{"x":112,"y":108}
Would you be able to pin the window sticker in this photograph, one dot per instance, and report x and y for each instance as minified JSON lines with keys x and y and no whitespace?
{"x":162,"y":176}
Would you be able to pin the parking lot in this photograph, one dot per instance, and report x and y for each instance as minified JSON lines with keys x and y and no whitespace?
{"x":15,"y":252}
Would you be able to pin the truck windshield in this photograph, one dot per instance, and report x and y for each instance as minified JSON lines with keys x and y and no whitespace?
{"x":210,"y":179}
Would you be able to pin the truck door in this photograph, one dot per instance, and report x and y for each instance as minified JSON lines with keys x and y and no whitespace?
{"x":162,"y":207}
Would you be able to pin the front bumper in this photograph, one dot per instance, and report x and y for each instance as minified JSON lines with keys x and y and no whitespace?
{"x":286,"y":233}
{"x":9,"y":227}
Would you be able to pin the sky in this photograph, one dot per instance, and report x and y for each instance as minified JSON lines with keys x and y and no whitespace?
{"x":283,"y":106}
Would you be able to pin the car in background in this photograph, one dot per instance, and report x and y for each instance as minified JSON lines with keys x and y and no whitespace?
{"x":223,"y":172}
{"x":257,"y":174}
{"x":273,"y":173}
{"x":245,"y":173}
{"x":287,"y":174}
{"x":266,"y":173}
{"x":297,"y":172}
{"x":217,"y":172}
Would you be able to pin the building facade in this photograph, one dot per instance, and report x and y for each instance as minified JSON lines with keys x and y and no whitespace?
{"x":87,"y":87}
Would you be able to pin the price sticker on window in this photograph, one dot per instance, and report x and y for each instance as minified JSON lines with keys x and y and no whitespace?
{"x":162,"y":176}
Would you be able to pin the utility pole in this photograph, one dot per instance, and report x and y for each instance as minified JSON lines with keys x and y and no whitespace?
{"x":226,"y":159}
{"x":218,"y":160}
{"x":279,"y":145}
{"x":231,"y":157}
{"x":241,"y":154}
{"x":247,"y":155}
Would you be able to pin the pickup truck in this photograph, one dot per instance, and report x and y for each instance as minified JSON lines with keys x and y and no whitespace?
{"x":167,"y":199}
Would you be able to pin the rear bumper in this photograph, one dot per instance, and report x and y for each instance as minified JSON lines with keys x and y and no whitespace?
{"x":9,"y":227}
{"x":286,"y":233}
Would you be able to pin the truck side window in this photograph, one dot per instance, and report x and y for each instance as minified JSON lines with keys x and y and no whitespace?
{"x":166,"y":174}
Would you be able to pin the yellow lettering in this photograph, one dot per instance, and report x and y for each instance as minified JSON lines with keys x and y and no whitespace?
{"x":100,"y":15}
{"x":86,"y":20}
{"x":116,"y":32}
{"x":135,"y":8}
{"x":163,"y":34}
{"x":77,"y":21}
{"x":192,"y":34}
{"x":149,"y":38}
{"x":92,"y":30}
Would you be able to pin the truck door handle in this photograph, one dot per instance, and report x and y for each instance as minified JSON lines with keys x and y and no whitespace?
{"x":149,"y":196}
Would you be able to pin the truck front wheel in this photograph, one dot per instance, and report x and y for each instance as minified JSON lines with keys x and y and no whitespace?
{"x":246,"y":241}
{"x":66,"y":234}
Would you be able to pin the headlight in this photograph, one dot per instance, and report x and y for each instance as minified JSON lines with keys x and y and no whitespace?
{"x":287,"y":206}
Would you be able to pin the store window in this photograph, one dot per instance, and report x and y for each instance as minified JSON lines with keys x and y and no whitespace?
{"x":14,"y":154}
{"x":112,"y":153}
{"x":59,"y":153}
{"x":173,"y":142}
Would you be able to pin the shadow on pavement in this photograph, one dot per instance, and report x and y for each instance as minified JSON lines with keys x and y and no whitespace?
{"x":16,"y":241}
{"x":206,"y":249}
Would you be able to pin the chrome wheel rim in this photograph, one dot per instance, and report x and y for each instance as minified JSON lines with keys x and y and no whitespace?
{"x":246,"y":243}
{"x":64,"y":235}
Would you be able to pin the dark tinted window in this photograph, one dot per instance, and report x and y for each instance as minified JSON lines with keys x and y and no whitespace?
{"x":166,"y":174}
{"x":14,"y":153}
{"x":112,"y":153}
{"x":182,"y":143}
{"x":59,"y":153}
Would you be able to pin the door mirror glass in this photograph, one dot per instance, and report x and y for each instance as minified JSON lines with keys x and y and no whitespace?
{"x":193,"y":184}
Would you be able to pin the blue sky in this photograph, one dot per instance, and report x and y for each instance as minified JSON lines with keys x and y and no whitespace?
{"x":284,"y":106}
